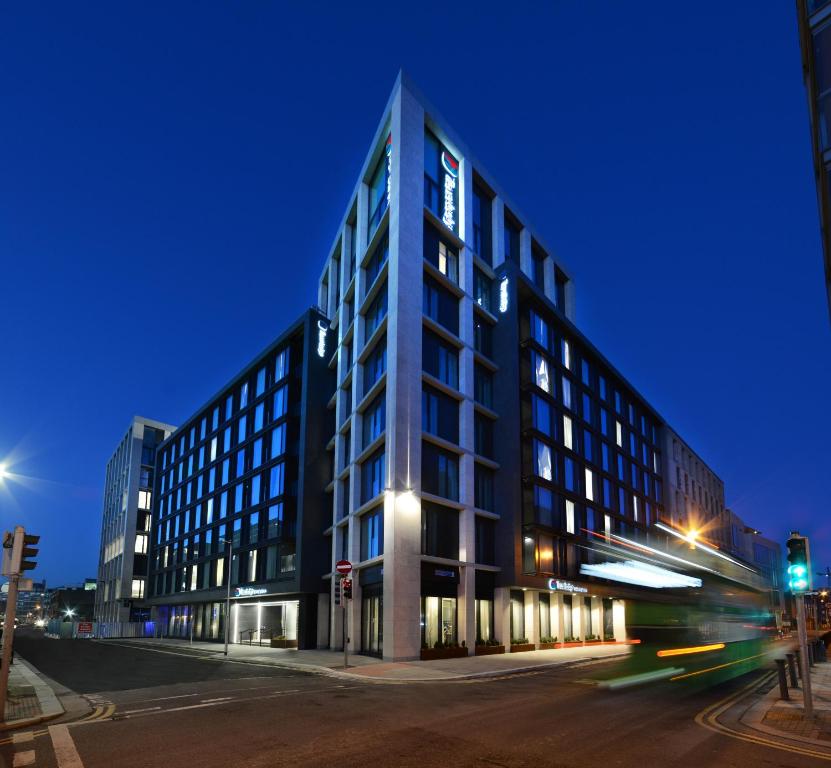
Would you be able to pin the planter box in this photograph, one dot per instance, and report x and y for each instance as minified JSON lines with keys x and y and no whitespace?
{"x":609,"y":642}
{"x":489,"y":650}
{"x":570,"y":645}
{"x":431,"y":654}
{"x":593,"y":642}
{"x":522,"y":647}
{"x":275,"y":643}
{"x":548,"y":646}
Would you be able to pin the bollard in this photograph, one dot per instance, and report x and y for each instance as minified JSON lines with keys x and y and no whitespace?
{"x":792,"y":670}
{"x":783,"y":683}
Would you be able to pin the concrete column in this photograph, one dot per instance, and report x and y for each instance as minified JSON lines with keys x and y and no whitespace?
{"x":334,"y":277}
{"x":557,"y":626}
{"x":532,"y":616}
{"x":466,"y":605}
{"x":525,"y":257}
{"x":466,"y":201}
{"x":502,"y":615}
{"x":619,"y":619}
{"x":402,"y":514}
{"x":498,"y":231}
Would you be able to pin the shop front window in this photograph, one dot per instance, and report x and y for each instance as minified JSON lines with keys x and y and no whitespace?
{"x":517,"y":617}
{"x":372,"y":623}
{"x":484,"y":621}
{"x":438,"y":621}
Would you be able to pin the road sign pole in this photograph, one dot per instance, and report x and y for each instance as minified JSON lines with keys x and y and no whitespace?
{"x":345,"y":629}
{"x":8,"y":639}
{"x":805,"y":667}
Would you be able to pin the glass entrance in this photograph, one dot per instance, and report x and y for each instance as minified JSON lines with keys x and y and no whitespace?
{"x":438,"y":621}
{"x":372,"y":625}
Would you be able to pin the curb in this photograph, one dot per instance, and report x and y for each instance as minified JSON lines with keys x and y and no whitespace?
{"x":354,"y":676}
{"x":50,"y":707}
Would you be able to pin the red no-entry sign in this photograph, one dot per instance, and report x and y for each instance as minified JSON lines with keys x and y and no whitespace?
{"x":343,"y":566}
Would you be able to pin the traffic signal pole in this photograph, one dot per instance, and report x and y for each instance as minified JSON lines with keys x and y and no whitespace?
{"x":804,"y":665}
{"x":8,"y":639}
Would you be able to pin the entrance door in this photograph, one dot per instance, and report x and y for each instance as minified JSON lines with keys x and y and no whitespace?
{"x":372,"y":625}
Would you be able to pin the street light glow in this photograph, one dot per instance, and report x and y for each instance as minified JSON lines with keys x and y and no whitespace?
{"x":4,"y":471}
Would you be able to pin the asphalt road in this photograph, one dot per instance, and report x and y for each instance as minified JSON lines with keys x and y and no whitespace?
{"x":173,"y":710}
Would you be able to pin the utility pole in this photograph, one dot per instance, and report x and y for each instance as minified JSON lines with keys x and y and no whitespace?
{"x":799,"y":582}
{"x":17,"y":549}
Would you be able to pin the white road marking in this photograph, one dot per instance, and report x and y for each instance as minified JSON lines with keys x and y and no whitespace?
{"x":23,"y":758}
{"x":221,"y":698}
{"x":136,"y":711}
{"x":65,"y":753}
{"x":22,"y":738}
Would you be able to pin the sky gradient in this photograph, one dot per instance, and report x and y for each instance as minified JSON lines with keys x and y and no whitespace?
{"x":173,"y":178}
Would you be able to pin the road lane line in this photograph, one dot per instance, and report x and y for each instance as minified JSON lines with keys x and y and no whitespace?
{"x":65,"y":753}
{"x":22,"y":738}
{"x":22,"y":759}
{"x":136,"y":711}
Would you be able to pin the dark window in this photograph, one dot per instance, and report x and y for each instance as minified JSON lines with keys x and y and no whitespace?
{"x":483,"y":435}
{"x":376,"y":263}
{"x":483,"y":385}
{"x":511,"y":241}
{"x":439,"y":471}
{"x":538,"y":266}
{"x":482,"y":336}
{"x":439,"y":414}
{"x":482,"y":224}
{"x":353,"y":248}
{"x":560,"y":290}
{"x":376,"y":312}
{"x":372,"y":476}
{"x":439,"y":531}
{"x":483,"y":487}
{"x":375,"y":419}
{"x":372,"y":534}
{"x":378,"y":200}
{"x":432,"y":172}
{"x":440,"y":359}
{"x":375,"y":365}
{"x":441,"y":305}
{"x":481,"y":288}
{"x":485,"y":541}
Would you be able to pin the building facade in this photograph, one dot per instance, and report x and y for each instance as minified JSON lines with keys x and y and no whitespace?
{"x":482,"y":443}
{"x":125,"y":527}
{"x":695,"y":494}
{"x":814,"y":18}
{"x":238,"y":506}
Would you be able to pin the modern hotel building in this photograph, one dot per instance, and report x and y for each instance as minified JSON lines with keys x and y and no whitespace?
{"x":239,"y":500}
{"x":439,"y":421}
{"x":482,"y":443}
{"x":125,"y":529}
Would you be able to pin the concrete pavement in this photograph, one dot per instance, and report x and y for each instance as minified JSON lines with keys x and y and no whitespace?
{"x":368,"y":668}
{"x":31,"y":700}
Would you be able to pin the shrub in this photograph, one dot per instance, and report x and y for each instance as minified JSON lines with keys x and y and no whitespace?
{"x":519,"y":640}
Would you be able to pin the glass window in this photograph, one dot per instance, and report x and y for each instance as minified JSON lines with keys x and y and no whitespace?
{"x":376,"y":312}
{"x":375,"y":419}
{"x":589,"y":485}
{"x":440,"y":254}
{"x":538,"y":268}
{"x":570,"y":526}
{"x":588,"y":453}
{"x":378,"y":191}
{"x":253,"y":527}
{"x":372,"y":534}
{"x":257,"y":454}
{"x":440,"y":305}
{"x":376,"y":263}
{"x":542,"y":460}
{"x":258,"y":417}
{"x":277,"y":480}
{"x":539,"y":330}
{"x":439,"y":531}
{"x":275,"y":521}
{"x":482,"y":435}
{"x":432,"y":164}
{"x":481,"y":289}
{"x":482,"y":385}
{"x":569,"y":474}
{"x":483,"y":487}
{"x":482,"y":336}
{"x":439,"y":414}
{"x":439,"y":358}
{"x":566,"y":392}
{"x":568,"y":433}
{"x":539,"y":366}
{"x":278,"y":441}
{"x":439,"y":471}
{"x":485,"y":533}
{"x":541,"y":414}
{"x":281,"y":398}
{"x":511,"y":241}
{"x":619,"y":434}
{"x":481,"y":224}
{"x":375,"y":365}
{"x":281,"y":365}
{"x":373,"y":478}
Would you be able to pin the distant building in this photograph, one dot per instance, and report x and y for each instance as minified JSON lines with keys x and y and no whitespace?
{"x":815,"y":40}
{"x":31,"y":604}
{"x":71,"y":603}
{"x":695,"y":494}
{"x":125,"y":528}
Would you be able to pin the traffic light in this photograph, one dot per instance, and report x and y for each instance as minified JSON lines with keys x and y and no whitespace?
{"x":337,"y":591}
{"x":8,"y":544}
{"x":28,"y":552}
{"x":347,"y":589}
{"x":799,"y":565}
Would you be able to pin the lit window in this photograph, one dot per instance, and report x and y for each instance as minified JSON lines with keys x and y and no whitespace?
{"x":619,"y":433}
{"x":566,"y":354}
{"x":566,"y":392}
{"x":567,"y":434}
{"x":541,"y":378}
{"x":569,"y":516}
{"x":138,"y":588}
{"x":589,"y":485}
{"x":543,"y":460}
{"x":144,"y":499}
{"x":141,"y":544}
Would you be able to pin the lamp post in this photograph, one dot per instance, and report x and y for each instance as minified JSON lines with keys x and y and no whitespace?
{"x":228,"y":595}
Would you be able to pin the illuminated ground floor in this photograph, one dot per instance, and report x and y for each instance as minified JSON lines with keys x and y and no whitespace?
{"x":256,"y":617}
{"x":449,"y":616}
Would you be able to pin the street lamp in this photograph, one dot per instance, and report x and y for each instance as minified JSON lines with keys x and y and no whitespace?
{"x":227,"y":594}
{"x":4,"y":471}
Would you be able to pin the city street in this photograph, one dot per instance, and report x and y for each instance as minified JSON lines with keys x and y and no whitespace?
{"x":151,"y":707}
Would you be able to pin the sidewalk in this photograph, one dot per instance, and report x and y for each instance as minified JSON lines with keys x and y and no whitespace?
{"x":787,"y":719}
{"x":368,"y":668}
{"x":30,"y":700}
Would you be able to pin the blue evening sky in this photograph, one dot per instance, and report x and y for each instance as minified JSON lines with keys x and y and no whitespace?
{"x":172,"y":176}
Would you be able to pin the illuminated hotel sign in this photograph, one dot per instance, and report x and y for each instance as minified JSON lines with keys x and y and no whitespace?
{"x":250,"y":591}
{"x":565,"y":586}
{"x":450,"y":166}
{"x":503,"y":295}
{"x":388,"y":151}
{"x":321,"y":338}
